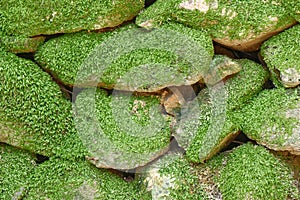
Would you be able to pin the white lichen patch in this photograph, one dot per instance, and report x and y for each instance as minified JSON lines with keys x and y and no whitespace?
{"x":228,"y":13}
{"x":200,"y":5}
{"x":159,"y":186}
{"x":147,"y":24}
{"x":290,"y":77}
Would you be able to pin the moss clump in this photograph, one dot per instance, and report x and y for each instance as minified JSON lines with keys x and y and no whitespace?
{"x":123,"y":131}
{"x":34,"y":115}
{"x":281,"y":54}
{"x":206,"y":124}
{"x":21,"y":44}
{"x":272,"y":119}
{"x":251,"y":172}
{"x":153,"y":67}
{"x":63,"y":179}
{"x":223,"y":19}
{"x":31,"y":18}
{"x":15,"y":167}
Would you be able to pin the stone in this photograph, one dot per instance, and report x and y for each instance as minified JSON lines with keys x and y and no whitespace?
{"x":172,"y":55}
{"x":16,"y":166}
{"x":34,"y":113}
{"x":205,"y":125}
{"x":121,"y":131}
{"x":226,"y":21}
{"x":63,"y":179}
{"x":281,"y":55}
{"x":272,"y":119}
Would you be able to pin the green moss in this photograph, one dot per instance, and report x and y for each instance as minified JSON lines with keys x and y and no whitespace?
{"x":281,"y":54}
{"x":206,"y":124}
{"x":34,"y":114}
{"x":223,"y":19}
{"x":28,"y":18}
{"x":21,"y":44}
{"x":272,"y":119}
{"x":62,"y":179}
{"x":15,"y":167}
{"x":130,"y":129}
{"x":251,"y":172}
{"x":153,"y":68}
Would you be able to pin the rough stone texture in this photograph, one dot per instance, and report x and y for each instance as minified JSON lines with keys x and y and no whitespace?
{"x":247,"y":172}
{"x":272,"y":119}
{"x":281,"y":54}
{"x":205,"y":125}
{"x":226,"y":21}
{"x":124,"y":131}
{"x":152,"y":60}
{"x":16,"y":165}
{"x":63,"y":179}
{"x":34,"y":114}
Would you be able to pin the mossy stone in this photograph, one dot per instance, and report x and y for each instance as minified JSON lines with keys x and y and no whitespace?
{"x":34,"y":114}
{"x":21,"y":44}
{"x":122,"y":131}
{"x":251,"y":172}
{"x":281,"y":54}
{"x":272,"y":119}
{"x":205,"y":125}
{"x":153,"y":67}
{"x":16,"y":166}
{"x":225,"y":20}
{"x":32,"y":18}
{"x":171,"y":177}
{"x":63,"y":179}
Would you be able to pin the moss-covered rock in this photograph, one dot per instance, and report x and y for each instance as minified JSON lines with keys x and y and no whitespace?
{"x":32,"y":18}
{"x":63,"y":179}
{"x":226,"y":21}
{"x":34,"y":114}
{"x":17,"y":44}
{"x":251,"y":172}
{"x":122,"y":131}
{"x":16,"y":165}
{"x":281,"y":54}
{"x":205,"y":125}
{"x":172,"y":177}
{"x":247,"y":172}
{"x":171,"y":55}
{"x":272,"y":119}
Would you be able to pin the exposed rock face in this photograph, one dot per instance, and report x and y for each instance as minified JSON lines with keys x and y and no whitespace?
{"x":171,"y":55}
{"x":281,"y":54}
{"x":226,"y":21}
{"x":272,"y":119}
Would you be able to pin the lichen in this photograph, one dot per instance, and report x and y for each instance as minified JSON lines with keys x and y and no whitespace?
{"x":281,"y":54}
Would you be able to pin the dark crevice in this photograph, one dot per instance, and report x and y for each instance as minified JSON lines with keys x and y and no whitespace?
{"x":269,"y":85}
{"x":40,"y":158}
{"x":149,"y":3}
{"x":28,"y":56}
{"x":239,"y":140}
